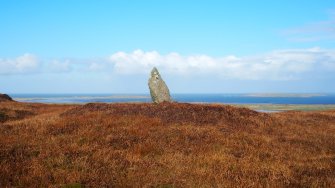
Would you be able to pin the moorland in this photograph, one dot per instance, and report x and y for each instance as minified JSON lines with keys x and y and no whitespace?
{"x":164,"y":145}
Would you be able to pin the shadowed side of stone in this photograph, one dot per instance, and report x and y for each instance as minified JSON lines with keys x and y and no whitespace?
{"x":158,"y":89}
{"x":5,"y":97}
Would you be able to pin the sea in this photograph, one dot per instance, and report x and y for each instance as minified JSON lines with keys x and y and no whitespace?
{"x":245,"y":98}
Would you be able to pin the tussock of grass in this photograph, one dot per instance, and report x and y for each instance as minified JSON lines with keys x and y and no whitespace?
{"x":167,"y":145}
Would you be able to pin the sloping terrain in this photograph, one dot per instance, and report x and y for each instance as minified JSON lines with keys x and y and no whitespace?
{"x":5,"y":98}
{"x":166,"y":145}
{"x":178,"y":113}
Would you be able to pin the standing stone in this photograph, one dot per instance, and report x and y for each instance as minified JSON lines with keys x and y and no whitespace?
{"x":158,"y":90}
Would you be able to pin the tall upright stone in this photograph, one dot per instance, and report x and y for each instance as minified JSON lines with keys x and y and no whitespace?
{"x":158,"y":89}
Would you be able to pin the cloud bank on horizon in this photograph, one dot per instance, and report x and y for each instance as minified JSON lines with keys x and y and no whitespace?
{"x":289,"y":64}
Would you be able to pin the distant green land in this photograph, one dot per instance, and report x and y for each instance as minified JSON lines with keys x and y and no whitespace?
{"x":303,"y":95}
{"x":287,"y":107}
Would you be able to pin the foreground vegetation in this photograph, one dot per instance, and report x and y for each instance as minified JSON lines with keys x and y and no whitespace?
{"x":167,"y":145}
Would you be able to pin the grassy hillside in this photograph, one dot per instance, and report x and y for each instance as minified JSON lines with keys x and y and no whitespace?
{"x":167,"y":145}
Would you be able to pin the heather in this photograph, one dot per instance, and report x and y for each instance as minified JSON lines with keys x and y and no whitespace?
{"x":164,"y":145}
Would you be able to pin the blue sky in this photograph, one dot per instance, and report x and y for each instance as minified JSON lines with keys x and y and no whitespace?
{"x":198,"y":46}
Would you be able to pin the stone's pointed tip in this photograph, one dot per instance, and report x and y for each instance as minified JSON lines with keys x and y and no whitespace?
{"x":154,"y":69}
{"x":154,"y":72}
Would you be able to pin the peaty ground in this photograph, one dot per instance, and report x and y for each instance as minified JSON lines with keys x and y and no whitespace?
{"x":166,"y":145}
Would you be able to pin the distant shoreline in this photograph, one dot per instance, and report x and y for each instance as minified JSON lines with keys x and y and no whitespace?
{"x":284,"y":95}
{"x":260,"y":102}
{"x":252,"y":106}
{"x":287,"y":107}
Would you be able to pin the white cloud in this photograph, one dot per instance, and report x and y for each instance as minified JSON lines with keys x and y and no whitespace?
{"x":289,"y":64}
{"x":96,"y":66}
{"x":138,"y":61}
{"x":29,"y":63}
{"x":26,"y":63}
{"x":276,"y":65}
{"x":311,"y":32}
{"x":59,"y":66}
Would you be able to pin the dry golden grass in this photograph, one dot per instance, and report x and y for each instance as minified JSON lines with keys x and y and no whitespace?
{"x":167,"y":145}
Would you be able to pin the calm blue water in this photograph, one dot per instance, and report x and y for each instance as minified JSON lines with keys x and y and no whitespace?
{"x":199,"y":98}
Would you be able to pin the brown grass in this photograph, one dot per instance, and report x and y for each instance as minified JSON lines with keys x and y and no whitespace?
{"x":167,"y":145}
